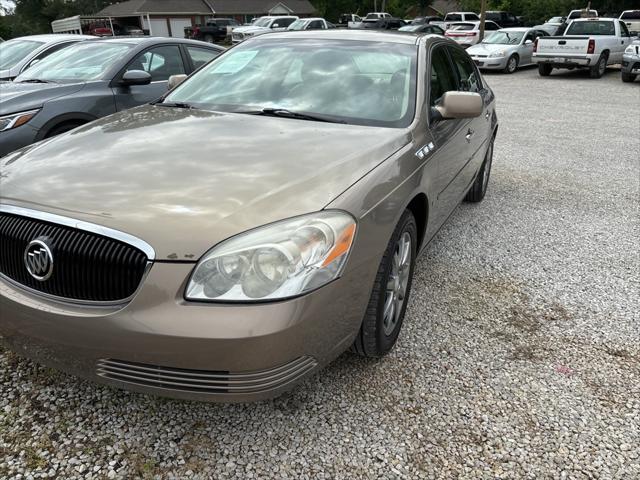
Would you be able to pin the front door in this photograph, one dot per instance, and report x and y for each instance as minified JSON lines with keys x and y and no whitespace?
{"x":160,"y":62}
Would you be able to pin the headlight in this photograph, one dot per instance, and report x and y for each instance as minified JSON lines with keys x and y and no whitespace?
{"x":280,"y":260}
{"x":500,"y":53}
{"x":14,"y":120}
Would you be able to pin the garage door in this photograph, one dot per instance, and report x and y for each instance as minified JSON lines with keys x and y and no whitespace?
{"x":177,"y":26}
{"x":159,"y":28}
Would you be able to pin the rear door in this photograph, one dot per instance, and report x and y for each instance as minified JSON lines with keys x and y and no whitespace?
{"x":526,"y":50}
{"x":621,"y":43}
{"x":160,"y":62}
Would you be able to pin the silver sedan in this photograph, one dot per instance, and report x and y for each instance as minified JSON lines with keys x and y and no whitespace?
{"x":506,"y":49}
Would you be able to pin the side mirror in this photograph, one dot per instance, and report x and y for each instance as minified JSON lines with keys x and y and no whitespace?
{"x":135,"y":77}
{"x":175,"y":80}
{"x":275,"y":25}
{"x":458,"y":105}
{"x":528,"y":42}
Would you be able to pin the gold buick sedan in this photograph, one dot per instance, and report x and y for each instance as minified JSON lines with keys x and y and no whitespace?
{"x":265,"y":215}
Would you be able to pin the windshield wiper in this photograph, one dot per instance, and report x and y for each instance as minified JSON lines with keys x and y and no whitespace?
{"x":175,"y":105}
{"x":35,"y":80}
{"x":284,"y":113}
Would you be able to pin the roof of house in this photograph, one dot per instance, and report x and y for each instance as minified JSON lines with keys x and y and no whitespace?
{"x":203,"y":7}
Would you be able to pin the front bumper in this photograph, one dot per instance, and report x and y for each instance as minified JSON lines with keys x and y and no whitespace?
{"x":161,"y":344}
{"x":16,"y":138}
{"x":490,"y":63}
{"x":631,"y":64}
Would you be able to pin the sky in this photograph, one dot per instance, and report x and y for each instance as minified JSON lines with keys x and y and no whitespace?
{"x":7,"y":4}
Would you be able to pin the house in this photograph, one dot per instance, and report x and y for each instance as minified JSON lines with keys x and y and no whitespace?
{"x":168,"y":18}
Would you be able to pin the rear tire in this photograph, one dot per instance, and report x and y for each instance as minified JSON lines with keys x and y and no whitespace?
{"x":512,"y":64}
{"x":628,"y":77}
{"x":544,"y":70}
{"x":599,"y":68}
{"x":388,"y":302}
{"x":479,"y":188}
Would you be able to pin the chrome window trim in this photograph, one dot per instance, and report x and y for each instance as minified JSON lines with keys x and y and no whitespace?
{"x":81,"y":225}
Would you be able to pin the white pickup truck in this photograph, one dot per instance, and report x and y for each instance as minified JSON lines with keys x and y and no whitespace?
{"x":591,"y":43}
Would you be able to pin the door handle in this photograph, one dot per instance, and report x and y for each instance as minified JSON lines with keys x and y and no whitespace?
{"x":469,"y":135}
{"x":487,"y":115}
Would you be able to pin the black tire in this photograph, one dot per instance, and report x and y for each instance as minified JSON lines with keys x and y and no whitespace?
{"x":208,"y":38}
{"x":372,"y":340}
{"x":479,"y":188}
{"x":62,"y":128}
{"x":599,"y":68}
{"x":628,"y":77}
{"x":512,"y":64}
{"x":544,"y":70}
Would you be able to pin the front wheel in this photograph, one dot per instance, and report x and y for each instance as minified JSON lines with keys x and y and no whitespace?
{"x":512,"y":64}
{"x":628,"y":77}
{"x":544,"y":70}
{"x":208,"y":38}
{"x":388,"y":302}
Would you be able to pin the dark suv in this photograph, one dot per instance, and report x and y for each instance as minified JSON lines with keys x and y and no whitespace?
{"x":215,"y":30}
{"x":504,"y":19}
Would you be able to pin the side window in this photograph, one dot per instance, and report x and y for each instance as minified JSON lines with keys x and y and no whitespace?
{"x":624,"y":31}
{"x":200,"y":56}
{"x":491,"y":26}
{"x":472,"y":17}
{"x":469,"y":81}
{"x":160,"y":62}
{"x":442,"y":76}
{"x":530,"y":36}
{"x":315,"y":25}
{"x":285,"y":22}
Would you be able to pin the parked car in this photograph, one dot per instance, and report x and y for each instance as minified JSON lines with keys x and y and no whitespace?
{"x":425,"y":28}
{"x":20,"y":53}
{"x":504,"y":19}
{"x":310,"y":24}
{"x":426,"y":20}
{"x":261,"y":26}
{"x":349,"y":20}
{"x":506,"y":49}
{"x":632,"y":19}
{"x":581,"y":13}
{"x":591,"y":43}
{"x":631,"y":62}
{"x":245,"y":268}
{"x":89,"y":80}
{"x":377,"y":15}
{"x":99,"y":28}
{"x":456,"y":17}
{"x":468,"y":33}
{"x":551,"y":26}
{"x":215,"y":30}
{"x":127,"y":30}
{"x":387,"y":23}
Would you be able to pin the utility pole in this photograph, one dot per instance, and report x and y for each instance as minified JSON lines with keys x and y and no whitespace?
{"x":483,"y":14}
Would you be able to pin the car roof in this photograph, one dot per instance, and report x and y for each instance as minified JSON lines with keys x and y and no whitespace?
{"x":55,"y":37}
{"x":145,"y":40}
{"x":346,"y":34}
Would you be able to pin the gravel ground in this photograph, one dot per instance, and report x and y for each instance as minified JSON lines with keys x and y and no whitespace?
{"x":520,"y":355}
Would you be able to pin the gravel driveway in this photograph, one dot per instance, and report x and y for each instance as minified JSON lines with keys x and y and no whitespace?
{"x":519,"y":358}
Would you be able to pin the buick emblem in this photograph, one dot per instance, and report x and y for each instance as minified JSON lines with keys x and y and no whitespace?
{"x":38,"y":260}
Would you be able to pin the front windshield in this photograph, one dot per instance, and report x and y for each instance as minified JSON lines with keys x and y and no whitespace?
{"x":591,"y":27}
{"x":503,"y":37}
{"x":357,"y":82}
{"x":13,"y":51}
{"x":297,"y":25}
{"x":262,"y":22}
{"x":81,"y":62}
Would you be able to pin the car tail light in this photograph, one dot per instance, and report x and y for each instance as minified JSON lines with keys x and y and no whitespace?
{"x":196,"y":32}
{"x":535,"y":46}
{"x":592,"y":46}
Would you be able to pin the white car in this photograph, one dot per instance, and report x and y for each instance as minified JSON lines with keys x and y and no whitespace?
{"x":591,"y":43}
{"x":468,"y":33}
{"x":506,"y":50}
{"x":310,"y":24}
{"x":377,"y":15}
{"x":631,"y":18}
{"x":455,"y":17}
{"x":260,"y":26}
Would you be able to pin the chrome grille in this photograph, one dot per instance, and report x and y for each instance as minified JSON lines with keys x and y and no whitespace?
{"x":204,"y":381}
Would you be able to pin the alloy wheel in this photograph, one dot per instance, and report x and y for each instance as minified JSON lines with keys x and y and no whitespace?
{"x":397,"y":283}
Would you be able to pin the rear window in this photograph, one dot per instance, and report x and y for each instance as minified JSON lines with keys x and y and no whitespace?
{"x":635,"y":15}
{"x":592,"y":27}
{"x":452,"y":17}
{"x":463,"y":26}
{"x":471,"y":16}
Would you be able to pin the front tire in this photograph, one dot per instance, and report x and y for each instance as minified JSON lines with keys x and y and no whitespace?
{"x":208,"y":38}
{"x":512,"y":64}
{"x":599,"y":68}
{"x":388,"y":302}
{"x":479,"y":188}
{"x":544,"y":70}
{"x":628,"y":77}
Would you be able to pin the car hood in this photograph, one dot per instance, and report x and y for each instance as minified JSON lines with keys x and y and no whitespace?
{"x":184,"y":180}
{"x":487,"y":48}
{"x":15,"y":97}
